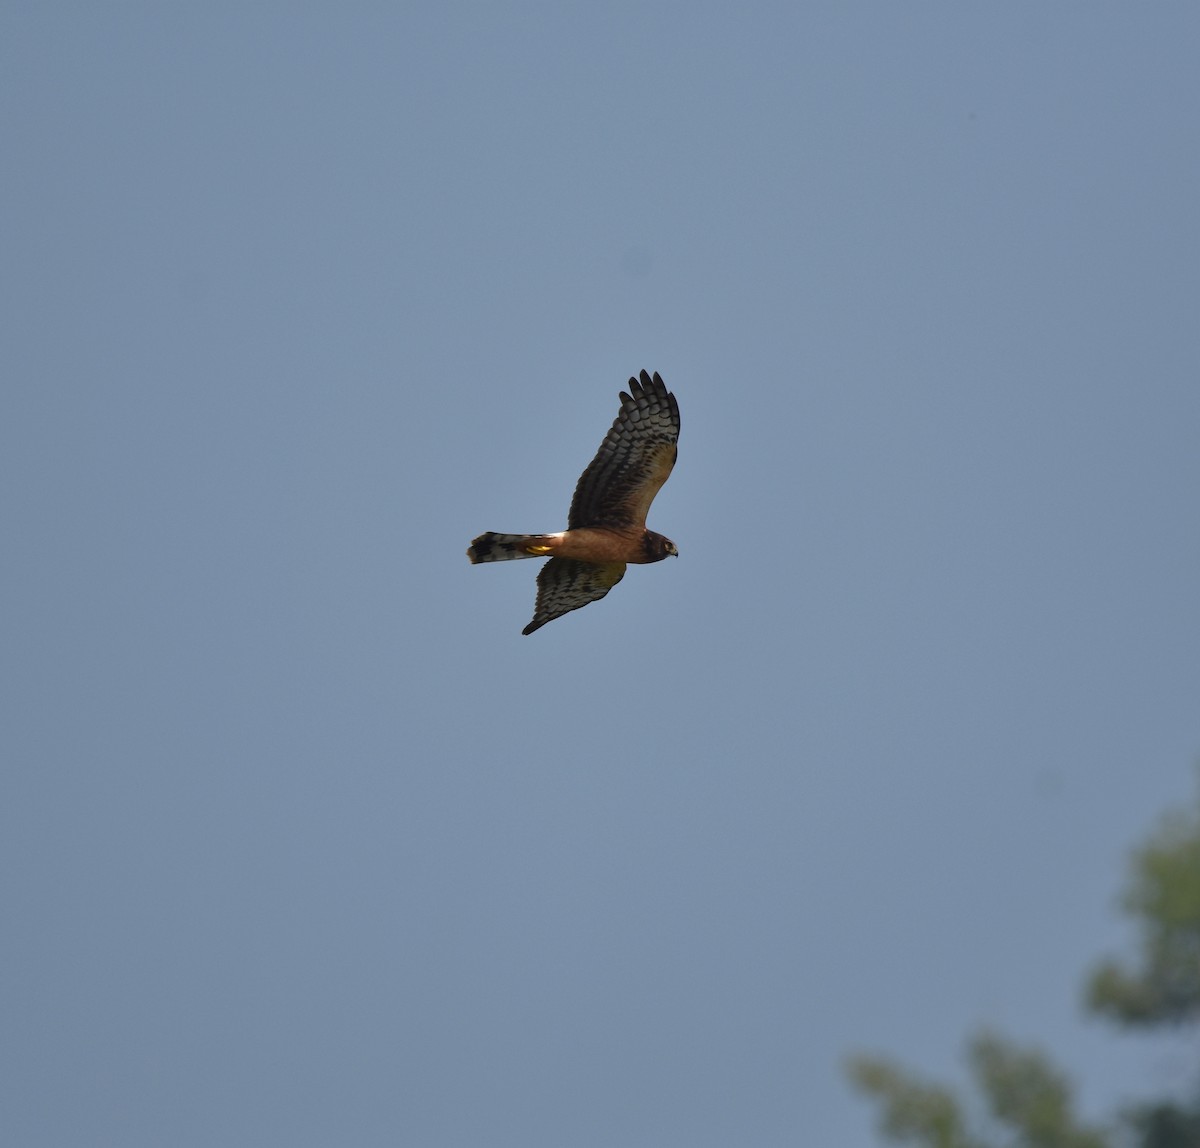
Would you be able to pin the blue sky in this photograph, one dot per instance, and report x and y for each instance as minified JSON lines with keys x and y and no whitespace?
{"x":301,"y":842}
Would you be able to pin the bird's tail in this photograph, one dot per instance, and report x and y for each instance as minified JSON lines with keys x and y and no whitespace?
{"x":492,"y":547}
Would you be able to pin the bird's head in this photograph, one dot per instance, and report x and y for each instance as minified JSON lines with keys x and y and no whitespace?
{"x":658,"y":547}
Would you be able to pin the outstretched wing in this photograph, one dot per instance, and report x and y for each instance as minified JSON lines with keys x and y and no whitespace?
{"x":565,"y":585}
{"x":633,"y":461}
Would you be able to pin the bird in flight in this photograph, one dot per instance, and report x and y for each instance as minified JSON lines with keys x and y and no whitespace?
{"x":606,"y":526}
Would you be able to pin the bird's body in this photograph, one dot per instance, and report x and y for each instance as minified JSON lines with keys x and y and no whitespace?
{"x":606,"y":527}
{"x":584,"y":544}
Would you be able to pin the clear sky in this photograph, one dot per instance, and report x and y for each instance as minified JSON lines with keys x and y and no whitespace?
{"x":301,"y":842}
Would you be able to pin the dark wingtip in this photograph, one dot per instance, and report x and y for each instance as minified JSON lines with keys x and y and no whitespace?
{"x":648,"y":382}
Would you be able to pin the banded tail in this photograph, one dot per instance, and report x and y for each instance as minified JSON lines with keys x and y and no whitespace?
{"x":492,"y":547}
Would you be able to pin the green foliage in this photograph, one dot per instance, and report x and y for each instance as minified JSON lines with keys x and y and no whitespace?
{"x":1027,"y":1099}
{"x":1022,"y":1090}
{"x":1166,"y":1126}
{"x":1028,"y":1094}
{"x":1164,"y":897}
{"x":913,"y":1112}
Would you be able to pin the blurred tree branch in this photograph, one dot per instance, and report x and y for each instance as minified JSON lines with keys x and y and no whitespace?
{"x":1164,"y":898}
{"x":913,"y":1111}
{"x":1023,"y":1092}
{"x":1027,"y":1099}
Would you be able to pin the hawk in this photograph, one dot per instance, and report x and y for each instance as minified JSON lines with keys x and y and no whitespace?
{"x":606,"y":526}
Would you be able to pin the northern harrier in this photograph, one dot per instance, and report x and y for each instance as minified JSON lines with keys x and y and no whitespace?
{"x":606,"y":527}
